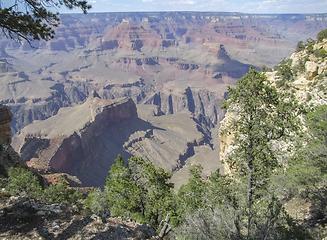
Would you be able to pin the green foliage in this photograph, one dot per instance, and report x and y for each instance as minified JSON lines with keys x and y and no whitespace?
{"x":192,"y":196}
{"x":265,"y":116}
{"x":300,"y":46}
{"x":284,"y":71}
{"x":96,"y":201}
{"x":322,"y":53}
{"x":23,"y":182}
{"x":31,"y":20}
{"x":310,"y":48}
{"x":309,"y":97}
{"x":300,"y":67}
{"x":322,"y":35}
{"x":61,"y":192}
{"x":264,"y":68}
{"x":308,"y":169}
{"x":140,"y":191}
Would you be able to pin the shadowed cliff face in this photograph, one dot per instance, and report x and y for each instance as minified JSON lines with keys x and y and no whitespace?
{"x":5,"y":120}
{"x":69,"y":137}
{"x":8,"y":157}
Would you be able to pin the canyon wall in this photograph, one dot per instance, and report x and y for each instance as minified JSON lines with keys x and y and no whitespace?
{"x":73,"y":140}
{"x":5,"y":120}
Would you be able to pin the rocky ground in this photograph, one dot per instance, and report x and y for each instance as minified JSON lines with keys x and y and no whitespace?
{"x":22,"y":218}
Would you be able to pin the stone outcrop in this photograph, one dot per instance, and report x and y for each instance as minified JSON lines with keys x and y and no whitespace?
{"x":8,"y":156}
{"x":59,"y":221}
{"x":5,"y":120}
{"x":311,"y":70}
{"x":72,"y":141}
{"x":308,"y":87}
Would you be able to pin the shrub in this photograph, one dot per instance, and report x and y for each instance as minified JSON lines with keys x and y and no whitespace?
{"x":300,"y":46}
{"x":322,"y":53}
{"x":299,"y":68}
{"x":284,"y":71}
{"x":96,"y":202}
{"x":23,"y":182}
{"x":310,"y":48}
{"x":61,"y":192}
{"x":322,"y":35}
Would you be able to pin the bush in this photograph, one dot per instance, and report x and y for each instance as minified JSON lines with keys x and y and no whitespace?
{"x":299,"y":68}
{"x":322,"y":35}
{"x":310,"y":48}
{"x":61,"y":192}
{"x":23,"y":182}
{"x":96,"y":202}
{"x":284,"y":71}
{"x":322,"y":53}
{"x":300,"y":46}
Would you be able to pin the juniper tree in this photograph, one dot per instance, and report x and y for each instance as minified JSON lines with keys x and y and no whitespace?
{"x":140,"y":191}
{"x":263,"y":116}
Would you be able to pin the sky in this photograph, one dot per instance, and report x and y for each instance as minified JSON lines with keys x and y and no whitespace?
{"x":253,"y":6}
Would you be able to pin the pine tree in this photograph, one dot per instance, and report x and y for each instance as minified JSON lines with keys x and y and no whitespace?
{"x":263,"y":116}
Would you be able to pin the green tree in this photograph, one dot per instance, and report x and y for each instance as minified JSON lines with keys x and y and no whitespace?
{"x":263,"y":117}
{"x":24,"y":183}
{"x":284,"y":71}
{"x":96,"y":202}
{"x":300,"y":46}
{"x":322,"y":35}
{"x":32,"y":19}
{"x":61,"y":192}
{"x":308,"y":169}
{"x":192,"y":195}
{"x":140,"y":191}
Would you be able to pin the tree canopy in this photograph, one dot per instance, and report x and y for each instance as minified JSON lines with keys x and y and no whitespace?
{"x":322,"y":35}
{"x":34,"y":19}
{"x":140,"y":191}
{"x":264,"y":118}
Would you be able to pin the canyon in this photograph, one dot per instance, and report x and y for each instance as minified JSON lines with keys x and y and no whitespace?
{"x":136,"y":84}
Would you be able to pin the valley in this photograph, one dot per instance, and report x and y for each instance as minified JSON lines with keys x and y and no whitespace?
{"x":136,"y":84}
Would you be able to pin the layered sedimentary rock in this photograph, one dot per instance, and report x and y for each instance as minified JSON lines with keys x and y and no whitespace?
{"x":69,"y":137}
{"x":176,"y":65}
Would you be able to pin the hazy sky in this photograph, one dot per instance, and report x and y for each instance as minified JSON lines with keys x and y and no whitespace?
{"x":254,"y":6}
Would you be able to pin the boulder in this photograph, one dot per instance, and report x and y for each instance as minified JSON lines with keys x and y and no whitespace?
{"x":311,"y":70}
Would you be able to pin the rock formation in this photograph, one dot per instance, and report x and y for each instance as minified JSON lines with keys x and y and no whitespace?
{"x":172,"y":65}
{"x":5,"y":120}
{"x":72,"y":141}
{"x":8,"y":157}
{"x":311,"y":82}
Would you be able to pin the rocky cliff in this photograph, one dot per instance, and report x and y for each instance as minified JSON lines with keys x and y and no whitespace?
{"x":136,"y":54}
{"x":5,"y":120}
{"x":308,"y":86}
{"x":8,"y":157}
{"x":69,"y":137}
